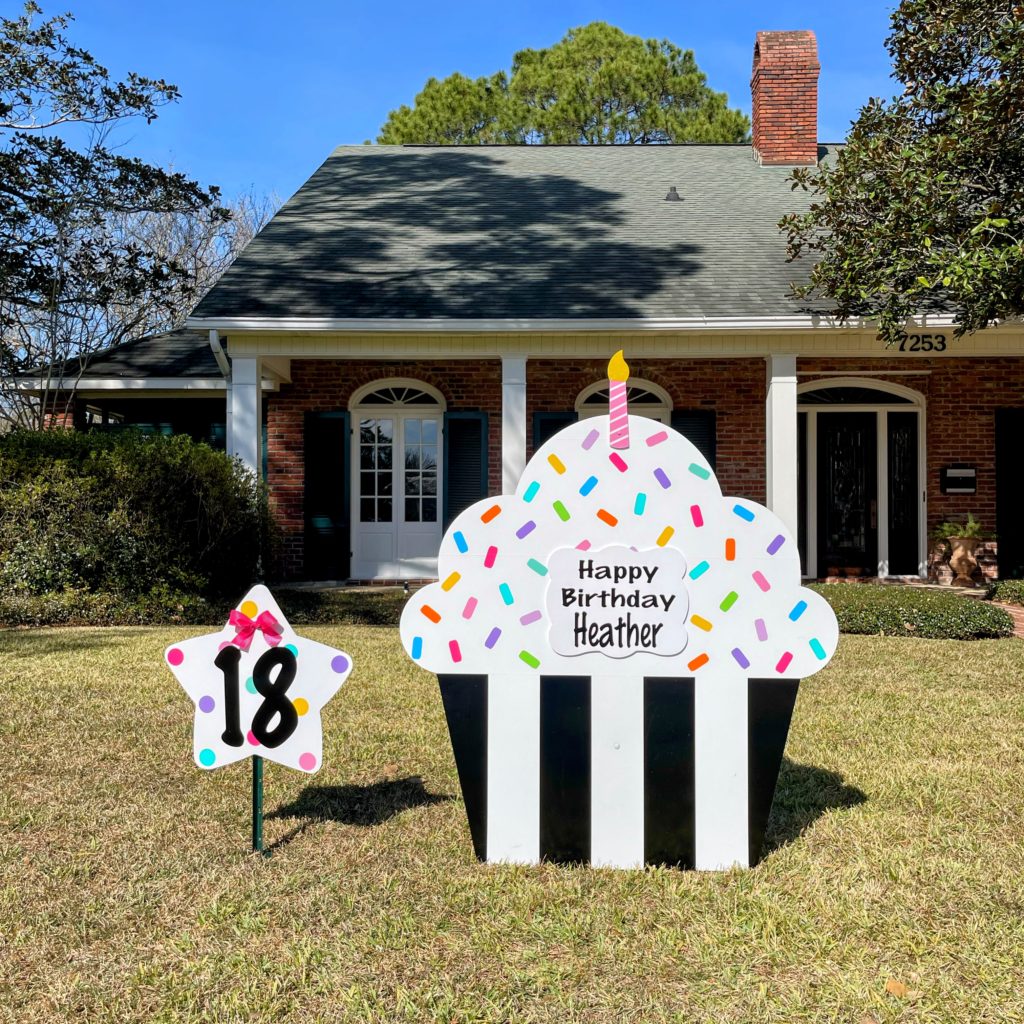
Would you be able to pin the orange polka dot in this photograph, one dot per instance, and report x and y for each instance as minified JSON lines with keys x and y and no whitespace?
{"x":249,"y":609}
{"x":301,"y":705}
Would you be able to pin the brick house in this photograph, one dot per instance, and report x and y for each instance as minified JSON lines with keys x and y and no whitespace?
{"x":415,"y":320}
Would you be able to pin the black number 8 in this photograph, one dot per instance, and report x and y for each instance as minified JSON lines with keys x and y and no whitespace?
{"x":273,"y":692}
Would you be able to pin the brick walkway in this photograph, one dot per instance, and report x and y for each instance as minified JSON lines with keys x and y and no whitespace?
{"x":1017,"y":614}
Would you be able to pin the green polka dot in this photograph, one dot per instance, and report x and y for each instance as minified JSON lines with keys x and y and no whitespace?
{"x":292,"y":648}
{"x":250,"y":685}
{"x":207,"y":757}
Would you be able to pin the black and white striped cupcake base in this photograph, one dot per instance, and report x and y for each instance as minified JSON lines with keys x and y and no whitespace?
{"x":615,"y":771}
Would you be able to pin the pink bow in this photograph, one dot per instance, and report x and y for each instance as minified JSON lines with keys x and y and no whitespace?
{"x":246,"y":628}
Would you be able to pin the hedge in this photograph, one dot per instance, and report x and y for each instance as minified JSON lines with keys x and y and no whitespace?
{"x":1007,"y":591}
{"x":883,"y":610}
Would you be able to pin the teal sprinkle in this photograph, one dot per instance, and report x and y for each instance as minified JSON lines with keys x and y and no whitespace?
{"x":506,"y":593}
{"x":699,"y":471}
{"x":538,"y":567}
{"x":207,"y":757}
{"x":743,"y":513}
{"x":819,"y":651}
{"x":698,"y":570}
{"x":531,"y":491}
{"x":640,"y":504}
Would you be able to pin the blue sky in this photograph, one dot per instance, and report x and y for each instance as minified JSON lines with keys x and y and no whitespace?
{"x":270,"y":87}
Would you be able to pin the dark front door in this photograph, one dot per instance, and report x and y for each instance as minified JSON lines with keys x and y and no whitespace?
{"x":847,"y":493}
{"x":1009,"y":492}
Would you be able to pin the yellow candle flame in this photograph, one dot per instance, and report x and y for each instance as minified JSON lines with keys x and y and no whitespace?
{"x":618,"y":368}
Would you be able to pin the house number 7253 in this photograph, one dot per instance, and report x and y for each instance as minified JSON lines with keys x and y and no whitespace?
{"x":923,"y":343}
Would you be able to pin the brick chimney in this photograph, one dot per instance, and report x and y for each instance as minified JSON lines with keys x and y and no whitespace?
{"x":784,"y":87}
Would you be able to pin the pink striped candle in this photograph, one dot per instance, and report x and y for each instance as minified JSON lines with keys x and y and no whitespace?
{"x":618,"y":407}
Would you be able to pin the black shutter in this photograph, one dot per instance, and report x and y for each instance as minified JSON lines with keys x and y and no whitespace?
{"x":326,"y":531}
{"x":547,"y":424}
{"x":698,"y":426}
{"x":465,"y":461}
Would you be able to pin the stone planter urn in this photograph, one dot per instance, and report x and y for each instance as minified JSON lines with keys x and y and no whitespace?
{"x":962,"y":560}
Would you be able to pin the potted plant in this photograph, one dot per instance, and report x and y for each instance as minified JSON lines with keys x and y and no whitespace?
{"x":963,"y":539}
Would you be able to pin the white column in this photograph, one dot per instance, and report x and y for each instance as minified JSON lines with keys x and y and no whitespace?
{"x":513,"y":421}
{"x":227,"y":419}
{"x":246,"y":412}
{"x":781,"y":448}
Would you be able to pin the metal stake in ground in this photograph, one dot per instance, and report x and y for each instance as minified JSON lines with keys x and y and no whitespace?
{"x":257,"y":807}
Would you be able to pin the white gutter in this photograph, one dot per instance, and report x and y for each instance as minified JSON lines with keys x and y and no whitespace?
{"x":220,"y":355}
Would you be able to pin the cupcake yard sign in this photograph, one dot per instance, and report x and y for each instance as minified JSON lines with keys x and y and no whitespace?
{"x":618,"y":648}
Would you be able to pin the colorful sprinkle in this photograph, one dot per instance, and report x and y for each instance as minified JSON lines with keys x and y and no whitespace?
{"x":657,"y":438}
{"x":698,"y":570}
{"x":584,"y":545}
{"x":561,"y":511}
{"x":696,"y":515}
{"x":531,"y":492}
{"x":530,"y":617}
{"x":451,"y":581}
{"x":743,"y":513}
{"x":530,"y":660}
{"x":730,"y":550}
{"x":339,"y":663}
{"x":700,"y":660}
{"x":492,"y":554}
{"x":307,"y":761}
{"x":729,"y":600}
{"x":761,"y":629}
{"x":665,"y":536}
{"x":741,"y":658}
{"x":430,"y":613}
{"x":538,"y":567}
{"x":618,"y":462}
{"x":588,"y":485}
{"x":207,"y":704}
{"x":701,"y":623}
{"x":784,"y":662}
{"x":640,"y":504}
{"x":699,"y":471}
{"x":506,"y":593}
{"x":467,"y":612}
{"x":758,"y":578}
{"x":175,"y":656}
{"x":491,"y":513}
{"x":662,"y":477}
{"x":526,"y":529}
{"x":556,"y":464}
{"x":819,"y":651}
{"x":456,"y":653}
{"x":460,"y":541}
{"x":417,"y":648}
{"x":798,"y":609}
{"x":607,"y":517}
{"x":492,"y":638}
{"x":588,"y":441}
{"x":301,"y":706}
{"x":207,"y":757}
{"x":776,"y":544}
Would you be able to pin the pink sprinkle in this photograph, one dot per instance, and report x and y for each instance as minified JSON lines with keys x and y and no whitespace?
{"x":492,"y":554}
{"x":467,"y":612}
{"x":784,"y":662}
{"x":530,"y":617}
{"x":618,"y":462}
{"x":762,"y":630}
{"x":761,"y":581}
{"x":453,"y":646}
{"x":696,"y":515}
{"x":657,"y":438}
{"x":588,"y":441}
{"x":584,"y":545}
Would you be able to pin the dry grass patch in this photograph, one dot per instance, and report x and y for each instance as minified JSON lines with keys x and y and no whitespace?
{"x":127,"y":893}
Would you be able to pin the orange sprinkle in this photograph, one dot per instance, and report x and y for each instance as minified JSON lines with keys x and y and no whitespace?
{"x":701,"y":659}
{"x":556,"y":464}
{"x":493,"y":511}
{"x":701,"y":623}
{"x":451,"y":581}
{"x":665,"y":536}
{"x":607,"y":517}
{"x":430,"y":613}
{"x":730,"y":550}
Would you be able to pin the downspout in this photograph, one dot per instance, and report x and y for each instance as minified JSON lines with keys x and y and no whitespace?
{"x":225,"y":368}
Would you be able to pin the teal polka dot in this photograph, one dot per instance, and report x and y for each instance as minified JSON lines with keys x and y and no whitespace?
{"x":207,"y":757}
{"x":292,"y":648}
{"x":250,"y":685}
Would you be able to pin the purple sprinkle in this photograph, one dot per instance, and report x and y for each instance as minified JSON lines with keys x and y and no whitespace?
{"x":526,"y":528}
{"x":530,"y":617}
{"x":206,"y":704}
{"x":492,"y":638}
{"x":340,"y":663}
{"x":588,"y":442}
{"x":762,"y":630}
{"x":741,"y":658}
{"x":776,"y":544}
{"x":659,"y":475}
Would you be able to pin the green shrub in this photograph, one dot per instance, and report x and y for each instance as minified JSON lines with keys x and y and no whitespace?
{"x":126,"y":515}
{"x":1007,"y":591}
{"x":81,"y":608}
{"x":912,"y":611}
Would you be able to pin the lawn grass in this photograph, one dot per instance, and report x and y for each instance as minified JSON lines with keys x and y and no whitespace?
{"x":127,"y":893}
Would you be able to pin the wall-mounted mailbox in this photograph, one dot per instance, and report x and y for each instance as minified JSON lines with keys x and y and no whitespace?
{"x":959,"y":478}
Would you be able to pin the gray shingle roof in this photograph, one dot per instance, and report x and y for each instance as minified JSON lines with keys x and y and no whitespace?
{"x":525,"y":232}
{"x":180,"y":353}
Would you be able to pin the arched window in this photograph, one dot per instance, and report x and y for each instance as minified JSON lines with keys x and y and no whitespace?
{"x":645,"y":399}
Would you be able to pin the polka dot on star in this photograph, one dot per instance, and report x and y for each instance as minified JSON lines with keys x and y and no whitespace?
{"x":251,"y":737}
{"x":250,"y":685}
{"x":301,"y":705}
{"x":249,"y":609}
{"x":175,"y":656}
{"x":340,"y":663}
{"x":292,"y":648}
{"x":207,"y":704}
{"x":307,"y":762}
{"x":207,"y":757}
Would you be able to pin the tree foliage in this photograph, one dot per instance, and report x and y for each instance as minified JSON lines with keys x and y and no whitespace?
{"x":598,"y":85}
{"x":923,"y":211}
